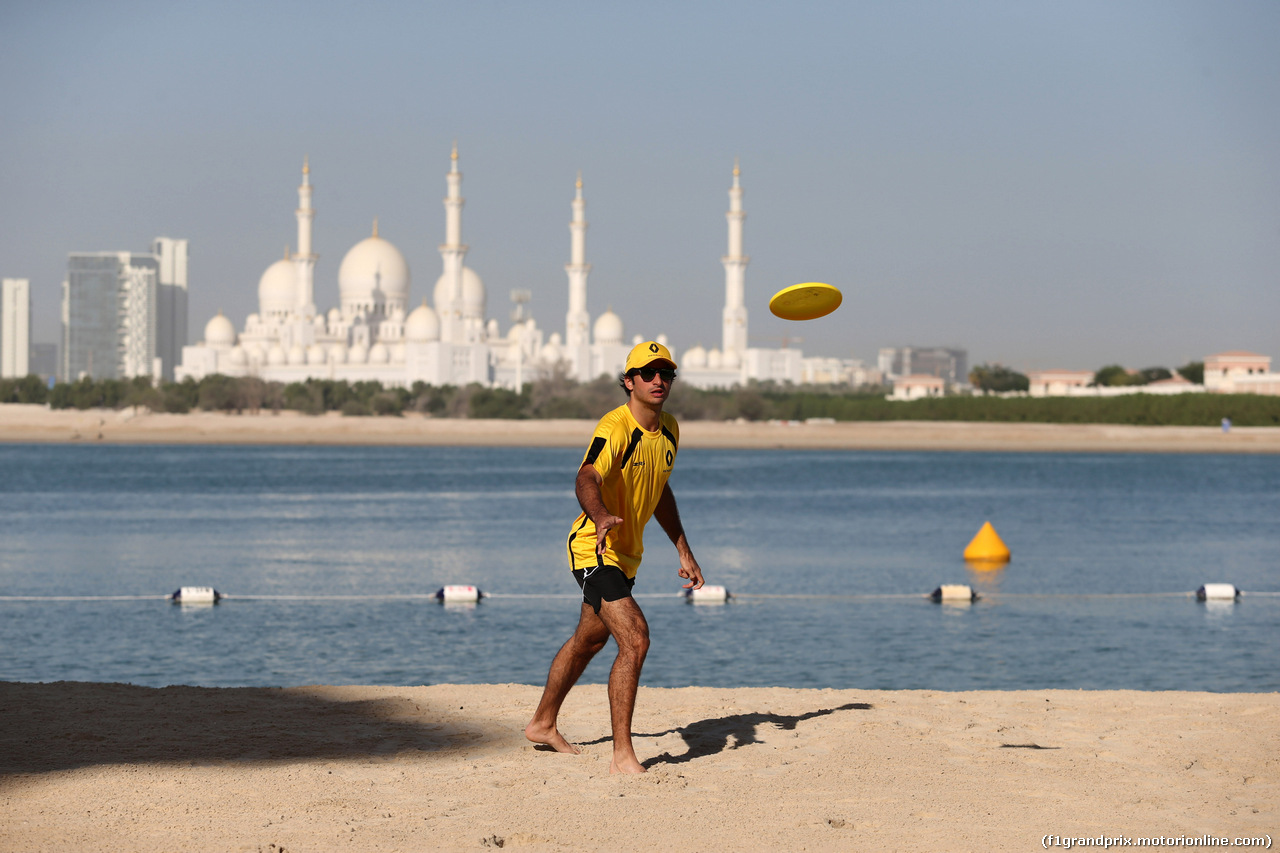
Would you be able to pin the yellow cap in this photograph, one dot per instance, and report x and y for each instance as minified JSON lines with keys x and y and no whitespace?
{"x":645,"y":354}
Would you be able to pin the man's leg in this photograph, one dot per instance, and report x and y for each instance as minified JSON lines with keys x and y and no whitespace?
{"x":630,"y":631}
{"x":566,"y":668}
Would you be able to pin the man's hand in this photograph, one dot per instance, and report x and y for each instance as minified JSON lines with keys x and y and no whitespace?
{"x":691,"y":571}
{"x":603,"y":526}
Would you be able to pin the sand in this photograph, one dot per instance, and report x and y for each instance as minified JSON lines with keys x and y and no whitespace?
{"x":118,"y":767}
{"x":31,"y":423}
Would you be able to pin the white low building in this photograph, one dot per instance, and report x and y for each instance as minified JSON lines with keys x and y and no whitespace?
{"x":1239,"y":372}
{"x":917,"y":386}
{"x":1057,"y":383}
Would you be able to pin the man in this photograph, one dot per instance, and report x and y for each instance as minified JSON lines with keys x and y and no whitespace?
{"x":621,"y":483}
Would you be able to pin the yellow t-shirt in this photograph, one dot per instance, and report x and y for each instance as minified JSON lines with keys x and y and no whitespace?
{"x":634,"y":465}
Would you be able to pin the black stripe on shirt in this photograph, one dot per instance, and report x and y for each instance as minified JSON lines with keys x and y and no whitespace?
{"x":572,"y":535}
{"x":597,"y":444}
{"x":631,"y":447}
{"x":671,"y":438}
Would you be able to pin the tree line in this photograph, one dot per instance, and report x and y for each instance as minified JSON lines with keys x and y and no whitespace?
{"x":553,"y":395}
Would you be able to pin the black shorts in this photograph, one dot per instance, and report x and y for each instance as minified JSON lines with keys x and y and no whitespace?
{"x":604,"y":582}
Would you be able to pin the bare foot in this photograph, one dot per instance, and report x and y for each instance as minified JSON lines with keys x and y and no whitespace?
{"x":629,"y":764}
{"x":549,"y":736}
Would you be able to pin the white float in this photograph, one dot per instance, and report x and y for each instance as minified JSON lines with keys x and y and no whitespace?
{"x":196,"y":595}
{"x":459,"y":592}
{"x":1217,"y":592}
{"x":954,"y":592}
{"x":709,"y":594}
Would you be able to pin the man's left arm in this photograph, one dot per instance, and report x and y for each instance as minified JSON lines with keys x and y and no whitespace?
{"x":668,"y":516}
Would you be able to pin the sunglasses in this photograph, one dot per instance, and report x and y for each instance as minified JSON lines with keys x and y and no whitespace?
{"x":646,"y":374}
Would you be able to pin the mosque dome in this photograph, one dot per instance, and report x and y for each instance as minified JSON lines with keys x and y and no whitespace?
{"x":607,"y":328}
{"x":397,"y":352}
{"x":316,"y":354}
{"x":473,"y":295}
{"x":715,"y":360}
{"x":550,"y":352}
{"x":731,"y":360}
{"x":379,"y":354}
{"x":358,"y":354}
{"x":254,"y":354}
{"x":297,"y":355}
{"x":335,"y":316}
{"x":278,"y":288}
{"x":491,"y":330}
{"x":338,"y":352}
{"x":694,"y":358}
{"x":276,"y":356}
{"x":422,"y":325}
{"x":219,"y":332}
{"x":373,"y":273}
{"x":239,"y":358}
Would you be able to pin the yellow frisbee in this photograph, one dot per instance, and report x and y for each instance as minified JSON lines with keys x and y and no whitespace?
{"x":806,"y":301}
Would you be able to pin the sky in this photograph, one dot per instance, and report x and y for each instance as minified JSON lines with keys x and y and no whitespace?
{"x":1048,"y":185}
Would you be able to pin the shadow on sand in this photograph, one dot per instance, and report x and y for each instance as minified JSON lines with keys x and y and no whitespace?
{"x":713,"y":736}
{"x":65,"y":725}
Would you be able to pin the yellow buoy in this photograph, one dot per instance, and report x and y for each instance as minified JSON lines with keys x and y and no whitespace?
{"x":987,"y":550}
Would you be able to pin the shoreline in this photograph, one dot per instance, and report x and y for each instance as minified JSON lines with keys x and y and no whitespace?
{"x":447,"y":767}
{"x":25,"y":423}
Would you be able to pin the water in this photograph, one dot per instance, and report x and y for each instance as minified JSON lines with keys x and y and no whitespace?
{"x":1093,"y":537}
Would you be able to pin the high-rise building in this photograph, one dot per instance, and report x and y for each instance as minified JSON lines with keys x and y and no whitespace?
{"x":949,"y":364}
{"x":171,"y":302}
{"x":15,"y":328}
{"x":109,"y":316}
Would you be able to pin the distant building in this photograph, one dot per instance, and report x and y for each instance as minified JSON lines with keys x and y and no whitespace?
{"x":946,"y":363}
{"x":124,"y":314}
{"x":1239,"y":372}
{"x":15,"y":328}
{"x":377,"y":333}
{"x":171,"y":302}
{"x":109,"y":316}
{"x":916,"y":386}
{"x":1057,"y":383}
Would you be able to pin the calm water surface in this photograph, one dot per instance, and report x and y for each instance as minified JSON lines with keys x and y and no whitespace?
{"x":839,"y":527}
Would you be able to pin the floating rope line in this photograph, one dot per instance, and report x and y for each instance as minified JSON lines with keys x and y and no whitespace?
{"x":431,"y":596}
{"x":83,"y":597}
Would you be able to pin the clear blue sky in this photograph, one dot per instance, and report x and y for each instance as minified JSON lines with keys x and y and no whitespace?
{"x":1046,"y":184}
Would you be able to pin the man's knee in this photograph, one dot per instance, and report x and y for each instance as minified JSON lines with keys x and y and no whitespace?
{"x":591,"y":645}
{"x":635,"y":640}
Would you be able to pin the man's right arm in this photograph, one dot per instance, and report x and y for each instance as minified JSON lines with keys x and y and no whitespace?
{"x":587,"y":489}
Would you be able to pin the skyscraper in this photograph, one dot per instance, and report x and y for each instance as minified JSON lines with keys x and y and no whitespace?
{"x":171,"y":302}
{"x":15,"y":328}
{"x":109,"y":316}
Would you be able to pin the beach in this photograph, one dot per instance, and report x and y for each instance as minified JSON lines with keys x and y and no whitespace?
{"x":34,"y":423}
{"x":102,"y":766}
{"x":117,"y":767}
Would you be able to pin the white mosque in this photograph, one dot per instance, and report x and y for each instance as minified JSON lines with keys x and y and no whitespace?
{"x":376,"y":334}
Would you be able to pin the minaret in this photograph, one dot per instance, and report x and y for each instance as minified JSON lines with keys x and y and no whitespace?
{"x":452,"y":251}
{"x":735,"y":268}
{"x":305,"y":260}
{"x":578,"y":321}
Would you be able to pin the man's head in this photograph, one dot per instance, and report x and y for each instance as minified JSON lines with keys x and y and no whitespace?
{"x":648,"y":363}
